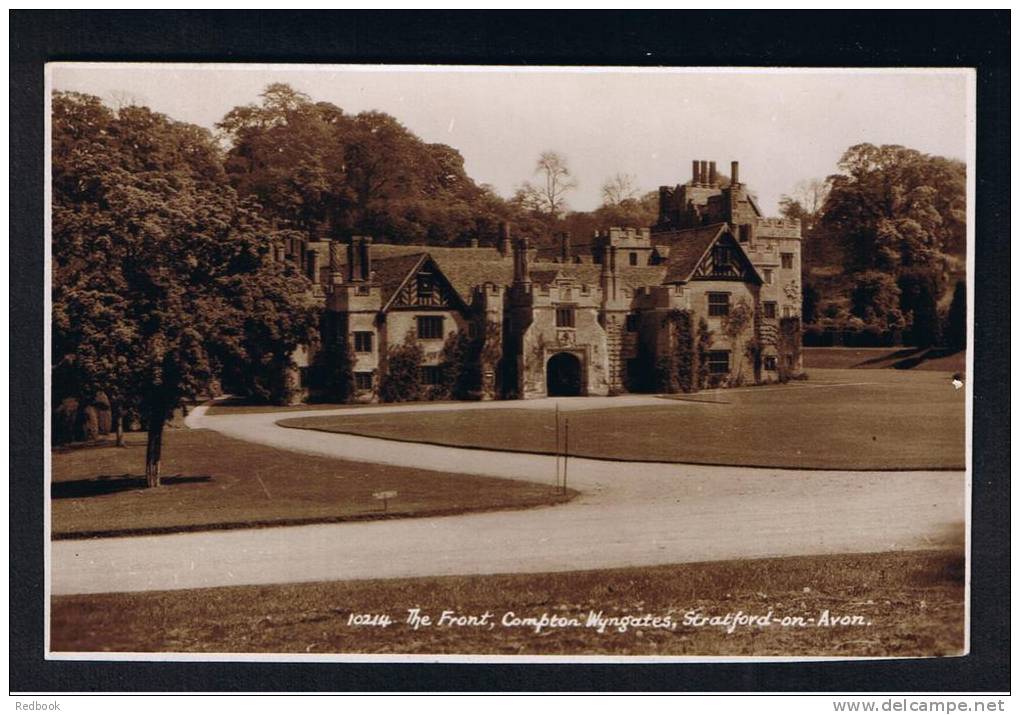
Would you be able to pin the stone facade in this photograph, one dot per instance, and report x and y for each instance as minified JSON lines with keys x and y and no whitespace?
{"x":586,"y":321}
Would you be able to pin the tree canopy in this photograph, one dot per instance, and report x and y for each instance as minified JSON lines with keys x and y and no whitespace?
{"x":885,"y":234}
{"x":317,"y":169}
{"x":163,"y":279}
{"x":893,"y":207}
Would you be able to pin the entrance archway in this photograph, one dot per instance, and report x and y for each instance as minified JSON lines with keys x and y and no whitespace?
{"x":563,"y":375}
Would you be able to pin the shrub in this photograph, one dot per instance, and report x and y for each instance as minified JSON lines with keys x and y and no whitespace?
{"x":789,"y":346}
{"x":676,"y":369}
{"x":332,"y":373}
{"x":665,"y":373}
{"x":704,"y":343}
{"x":400,"y":380}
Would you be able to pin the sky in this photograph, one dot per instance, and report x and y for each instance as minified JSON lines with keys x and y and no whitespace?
{"x":783,"y":126}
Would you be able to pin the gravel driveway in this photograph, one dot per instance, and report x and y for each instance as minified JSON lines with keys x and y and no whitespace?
{"x":628,"y":514}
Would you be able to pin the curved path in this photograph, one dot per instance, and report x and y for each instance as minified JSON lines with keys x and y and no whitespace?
{"x":628,"y":514}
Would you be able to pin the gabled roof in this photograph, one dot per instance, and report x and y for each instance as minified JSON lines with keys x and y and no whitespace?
{"x":690,"y":246}
{"x":392,"y":273}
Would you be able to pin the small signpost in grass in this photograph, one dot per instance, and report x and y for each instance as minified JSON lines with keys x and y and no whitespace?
{"x":562,"y":486}
{"x":566,"y":451}
{"x":385,"y":497}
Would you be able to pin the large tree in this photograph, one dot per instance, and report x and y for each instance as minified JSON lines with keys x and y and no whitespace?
{"x":163,"y":280}
{"x":328,"y":173}
{"x":901,"y":213}
{"x":894,"y":207}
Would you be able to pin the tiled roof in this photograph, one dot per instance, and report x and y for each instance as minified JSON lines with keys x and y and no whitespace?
{"x":389,"y":250}
{"x":467,"y":270}
{"x":687,"y":248}
{"x":391,"y":272}
{"x":580,"y":272}
{"x":464,"y":267}
{"x":635,"y":277}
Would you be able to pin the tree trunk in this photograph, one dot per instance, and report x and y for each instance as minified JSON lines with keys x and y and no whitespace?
{"x":154,"y":446}
{"x":118,"y":422}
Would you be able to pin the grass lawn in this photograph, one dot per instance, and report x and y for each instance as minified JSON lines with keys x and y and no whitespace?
{"x":838,"y":419}
{"x":902,"y":604}
{"x":212,"y":481}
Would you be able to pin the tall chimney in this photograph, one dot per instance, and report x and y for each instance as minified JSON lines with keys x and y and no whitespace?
{"x":565,"y":246}
{"x":522,"y":274}
{"x":695,"y":172}
{"x":335,"y":269}
{"x":354,"y":259}
{"x":504,"y":238}
{"x":366,"y":258}
{"x":704,"y":173}
{"x":713,"y":178}
{"x":734,"y":172}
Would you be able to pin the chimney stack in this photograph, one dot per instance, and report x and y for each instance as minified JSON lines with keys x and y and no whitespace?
{"x":504,"y":238}
{"x":522,"y":274}
{"x":713,"y":178}
{"x":366,"y":258}
{"x":734,"y":172}
{"x":704,"y":173}
{"x":359,"y":259}
{"x":335,"y":269}
{"x":695,"y":172}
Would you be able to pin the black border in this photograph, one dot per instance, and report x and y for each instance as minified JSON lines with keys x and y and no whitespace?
{"x":871,"y":38}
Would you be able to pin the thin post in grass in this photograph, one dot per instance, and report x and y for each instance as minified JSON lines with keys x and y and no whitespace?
{"x":566,"y":451}
{"x":556,"y":451}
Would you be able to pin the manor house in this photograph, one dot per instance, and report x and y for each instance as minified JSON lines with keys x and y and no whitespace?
{"x":579,"y":319}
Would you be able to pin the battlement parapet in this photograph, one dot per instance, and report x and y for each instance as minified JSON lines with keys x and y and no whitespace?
{"x":778,"y":228}
{"x":617,"y":233}
{"x":777,"y":222}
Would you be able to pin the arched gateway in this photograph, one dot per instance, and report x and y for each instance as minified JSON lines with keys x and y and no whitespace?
{"x":563,"y":375}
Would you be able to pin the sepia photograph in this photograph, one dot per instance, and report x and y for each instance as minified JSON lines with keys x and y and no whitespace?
{"x":492,"y":363}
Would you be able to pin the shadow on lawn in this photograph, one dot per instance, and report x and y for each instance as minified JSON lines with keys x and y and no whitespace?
{"x":908,"y":358}
{"x":109,"y":484}
{"x":929,"y":354}
{"x":902,"y":354}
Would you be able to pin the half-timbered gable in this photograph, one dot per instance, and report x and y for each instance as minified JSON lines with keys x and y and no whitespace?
{"x":416,"y":283}
{"x":725,"y":260}
{"x":708,"y":253}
